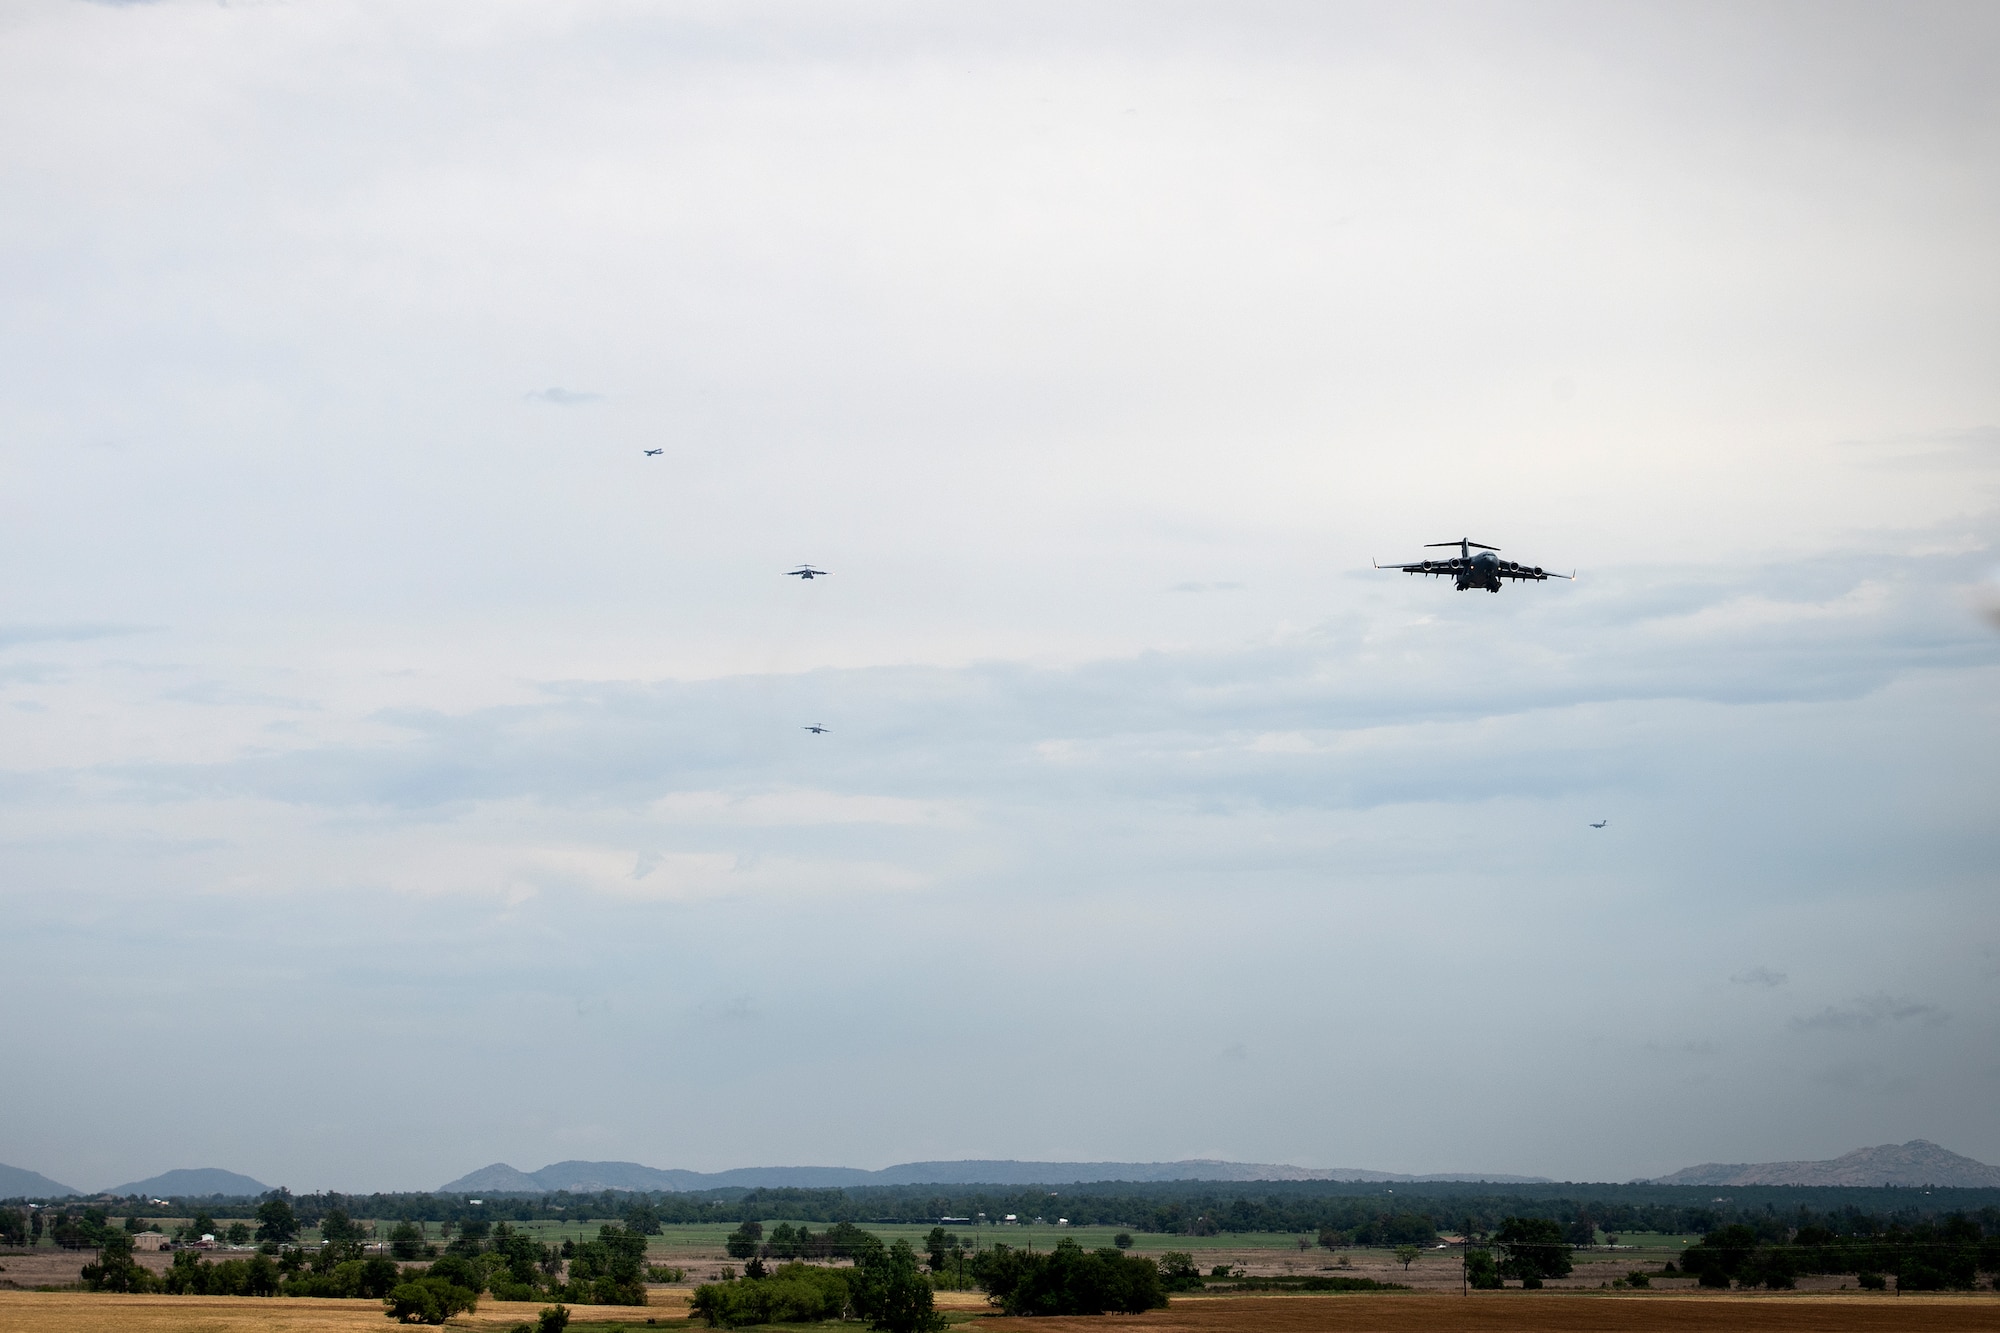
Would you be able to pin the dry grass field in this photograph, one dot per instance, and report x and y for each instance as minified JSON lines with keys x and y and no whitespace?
{"x":94,"y":1312}
{"x":1497,"y":1312}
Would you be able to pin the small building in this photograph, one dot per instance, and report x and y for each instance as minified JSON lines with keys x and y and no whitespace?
{"x":149,"y":1240}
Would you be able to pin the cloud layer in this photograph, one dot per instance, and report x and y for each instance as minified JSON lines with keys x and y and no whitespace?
{"x":362,"y":704}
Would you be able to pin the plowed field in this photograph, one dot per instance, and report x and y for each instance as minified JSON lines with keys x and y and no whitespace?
{"x":1536,"y":1313}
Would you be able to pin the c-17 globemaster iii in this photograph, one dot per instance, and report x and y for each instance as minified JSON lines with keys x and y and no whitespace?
{"x":1484,"y":570}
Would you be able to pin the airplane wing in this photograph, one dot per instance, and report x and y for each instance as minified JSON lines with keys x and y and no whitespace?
{"x":1426,"y":566}
{"x":1534,"y":573}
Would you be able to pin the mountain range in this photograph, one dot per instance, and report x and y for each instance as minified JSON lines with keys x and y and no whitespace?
{"x":591,"y":1177}
{"x":1918,"y":1162}
{"x":20,"y":1183}
{"x":192,"y":1183}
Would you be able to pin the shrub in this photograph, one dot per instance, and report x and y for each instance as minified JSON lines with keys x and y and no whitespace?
{"x":1872,"y":1281}
{"x":1635,"y":1278}
{"x":1481,"y":1273}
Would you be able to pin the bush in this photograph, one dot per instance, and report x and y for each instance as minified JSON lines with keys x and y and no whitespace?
{"x":1636,"y":1278}
{"x":1123,"y":1240}
{"x":428,"y":1300}
{"x":1872,"y":1281}
{"x":554,"y":1319}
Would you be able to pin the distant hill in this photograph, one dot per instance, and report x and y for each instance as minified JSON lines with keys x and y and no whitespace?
{"x":590,"y":1177}
{"x":20,"y":1183}
{"x":197,"y":1182}
{"x":1918,"y":1162}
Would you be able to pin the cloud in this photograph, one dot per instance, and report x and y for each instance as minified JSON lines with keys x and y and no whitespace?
{"x":217,"y":694}
{"x":1350,"y":712}
{"x":13,"y":635}
{"x":1701,"y":1049}
{"x":1868,"y":1012}
{"x":565,"y":397}
{"x":1207,"y":587}
{"x":1759,"y":976}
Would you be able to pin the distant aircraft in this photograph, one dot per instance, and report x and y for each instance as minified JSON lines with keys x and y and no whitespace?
{"x":817,"y":730}
{"x":1484,"y":570}
{"x":805,"y":572}
{"x":654,"y":453}
{"x":1600,"y":823}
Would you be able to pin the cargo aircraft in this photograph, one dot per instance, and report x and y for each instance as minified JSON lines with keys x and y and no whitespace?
{"x":1484,"y":570}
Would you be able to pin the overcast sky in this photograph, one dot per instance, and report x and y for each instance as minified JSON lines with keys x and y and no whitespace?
{"x":400,"y":771}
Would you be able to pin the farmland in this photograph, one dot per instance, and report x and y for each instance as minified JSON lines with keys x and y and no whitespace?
{"x":1492,"y":1312}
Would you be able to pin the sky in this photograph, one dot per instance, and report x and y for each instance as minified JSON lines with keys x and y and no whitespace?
{"x":401,"y":771}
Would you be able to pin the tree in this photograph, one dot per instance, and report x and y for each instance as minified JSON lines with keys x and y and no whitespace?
{"x":1179,"y":1272}
{"x":1533,"y":1248}
{"x":337,"y":1228}
{"x":14,"y":1227}
{"x":276,"y":1223}
{"x":115,"y":1269}
{"x":1123,"y":1240}
{"x":794,"y":1293}
{"x":742,"y":1242}
{"x":609,"y":1270}
{"x":1721,"y":1255}
{"x":1481,"y":1273}
{"x":406,"y":1241}
{"x":1070,"y":1280}
{"x":428,"y":1300}
{"x":238,"y":1234}
{"x":1407,"y":1255}
{"x":893,"y":1295}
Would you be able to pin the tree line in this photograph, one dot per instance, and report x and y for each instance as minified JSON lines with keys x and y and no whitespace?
{"x":608,"y":1270}
{"x":1341,"y":1213}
